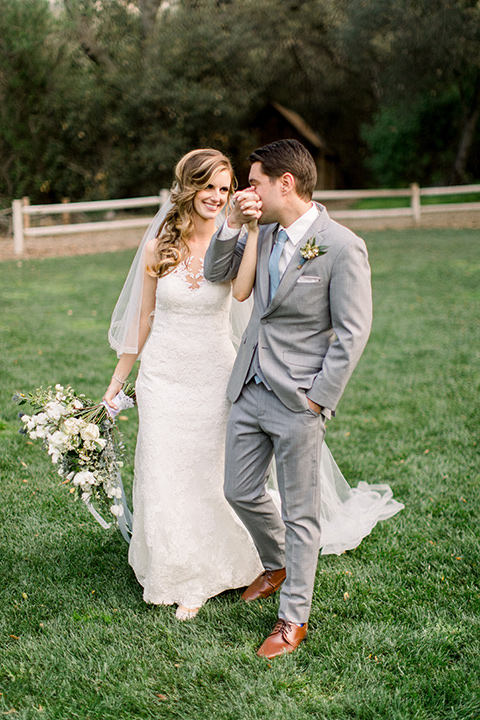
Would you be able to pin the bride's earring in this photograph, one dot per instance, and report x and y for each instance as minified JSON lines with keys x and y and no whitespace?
{"x":184,"y":613}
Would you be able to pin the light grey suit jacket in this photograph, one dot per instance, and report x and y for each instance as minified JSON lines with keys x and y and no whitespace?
{"x":313,"y":332}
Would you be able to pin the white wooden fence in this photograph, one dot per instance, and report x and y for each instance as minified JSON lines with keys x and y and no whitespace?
{"x":414,"y":192}
{"x":22,"y":211}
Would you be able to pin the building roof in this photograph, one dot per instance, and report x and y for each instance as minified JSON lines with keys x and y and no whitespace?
{"x":301,"y":126}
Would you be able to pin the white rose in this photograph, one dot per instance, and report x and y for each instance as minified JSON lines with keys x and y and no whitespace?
{"x":77,"y":404}
{"x":71,"y":426}
{"x":41,"y":419}
{"x":54,"y":410}
{"x":55,"y":455}
{"x":40,"y":432}
{"x":101,"y":442}
{"x":117,"y":510}
{"x":85,"y":477}
{"x":90,"y":432}
{"x":57,"y":439}
{"x":29,"y":422}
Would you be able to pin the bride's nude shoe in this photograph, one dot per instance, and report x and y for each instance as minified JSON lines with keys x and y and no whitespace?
{"x":184,"y":613}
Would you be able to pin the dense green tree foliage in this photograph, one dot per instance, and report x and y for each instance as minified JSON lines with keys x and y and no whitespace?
{"x":423,"y":60}
{"x":99,"y":98}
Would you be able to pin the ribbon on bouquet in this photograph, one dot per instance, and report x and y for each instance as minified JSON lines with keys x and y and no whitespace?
{"x":124,"y":519}
{"x":122,"y":401}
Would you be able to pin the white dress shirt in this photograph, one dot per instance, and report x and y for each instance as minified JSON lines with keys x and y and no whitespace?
{"x":295,"y":233}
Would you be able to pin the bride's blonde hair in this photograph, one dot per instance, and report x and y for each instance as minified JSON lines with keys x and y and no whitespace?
{"x":192,"y":173}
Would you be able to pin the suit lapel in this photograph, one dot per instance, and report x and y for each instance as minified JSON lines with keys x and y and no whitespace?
{"x":297,"y":264}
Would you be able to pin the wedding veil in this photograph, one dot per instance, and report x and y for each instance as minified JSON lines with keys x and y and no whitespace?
{"x":124,"y":326}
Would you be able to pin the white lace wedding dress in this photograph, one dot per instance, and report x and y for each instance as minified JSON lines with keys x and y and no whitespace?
{"x":187,"y":543}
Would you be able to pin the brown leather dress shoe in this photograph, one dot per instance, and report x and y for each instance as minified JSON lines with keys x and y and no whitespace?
{"x":284,"y":638}
{"x":264,"y":585}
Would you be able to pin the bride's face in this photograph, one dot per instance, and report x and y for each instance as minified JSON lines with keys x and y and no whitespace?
{"x":209,"y":202}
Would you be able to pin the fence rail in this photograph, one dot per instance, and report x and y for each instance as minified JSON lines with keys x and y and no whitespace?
{"x":22,"y":210}
{"x":415,"y":210}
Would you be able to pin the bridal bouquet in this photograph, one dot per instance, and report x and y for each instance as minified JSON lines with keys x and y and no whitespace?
{"x":83,"y":441}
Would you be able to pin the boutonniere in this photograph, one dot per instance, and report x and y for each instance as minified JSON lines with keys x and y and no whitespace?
{"x":310,"y":250}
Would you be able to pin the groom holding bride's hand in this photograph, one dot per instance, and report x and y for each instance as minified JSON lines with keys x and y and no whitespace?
{"x":310,"y":323}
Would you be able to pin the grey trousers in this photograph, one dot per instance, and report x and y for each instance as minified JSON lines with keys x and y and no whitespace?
{"x":260,"y":426}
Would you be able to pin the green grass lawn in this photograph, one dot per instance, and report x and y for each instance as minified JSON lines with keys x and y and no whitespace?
{"x":395,"y":626}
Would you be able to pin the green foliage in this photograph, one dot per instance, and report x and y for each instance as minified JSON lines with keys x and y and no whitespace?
{"x":78,"y":642}
{"x":100,"y":99}
{"x":423,"y":60}
{"x":50,"y":139}
{"x":413,"y":141}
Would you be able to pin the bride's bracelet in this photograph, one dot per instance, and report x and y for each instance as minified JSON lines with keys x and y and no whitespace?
{"x":122,"y":382}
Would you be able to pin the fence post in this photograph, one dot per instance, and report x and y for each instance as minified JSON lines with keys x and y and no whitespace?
{"x":66,"y":215}
{"x":26,"y":218}
{"x":17,"y":214}
{"x":163,"y":195}
{"x":416,"y":205}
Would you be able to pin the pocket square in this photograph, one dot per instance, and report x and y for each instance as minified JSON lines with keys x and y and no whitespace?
{"x":309,"y":279}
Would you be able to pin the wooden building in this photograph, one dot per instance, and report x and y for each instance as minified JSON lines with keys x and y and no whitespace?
{"x":276,"y":122}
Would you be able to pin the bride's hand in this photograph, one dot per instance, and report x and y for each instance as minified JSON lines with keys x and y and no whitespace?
{"x":247,"y":207}
{"x":112,"y":391}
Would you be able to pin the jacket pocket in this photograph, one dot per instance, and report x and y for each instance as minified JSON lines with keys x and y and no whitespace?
{"x":308,"y":280}
{"x":309,"y":362}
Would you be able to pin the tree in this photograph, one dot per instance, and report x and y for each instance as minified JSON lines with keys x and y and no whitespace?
{"x":422,"y":55}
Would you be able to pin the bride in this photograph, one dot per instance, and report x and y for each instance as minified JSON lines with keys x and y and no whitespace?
{"x":187,"y":543}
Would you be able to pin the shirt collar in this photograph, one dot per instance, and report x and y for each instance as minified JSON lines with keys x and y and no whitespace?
{"x":298,"y":228}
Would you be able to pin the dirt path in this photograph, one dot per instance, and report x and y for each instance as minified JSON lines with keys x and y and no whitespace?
{"x":78,"y":244}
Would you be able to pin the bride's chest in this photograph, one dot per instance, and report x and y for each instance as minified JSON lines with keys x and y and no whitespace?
{"x":185,"y":290}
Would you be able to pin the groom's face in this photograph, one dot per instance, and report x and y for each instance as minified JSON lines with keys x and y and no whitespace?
{"x":269,"y":190}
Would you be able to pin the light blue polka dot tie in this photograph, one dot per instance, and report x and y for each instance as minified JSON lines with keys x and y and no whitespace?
{"x":274,"y":260}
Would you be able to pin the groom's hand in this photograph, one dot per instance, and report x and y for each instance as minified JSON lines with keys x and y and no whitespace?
{"x":313,"y":406}
{"x":247,"y":206}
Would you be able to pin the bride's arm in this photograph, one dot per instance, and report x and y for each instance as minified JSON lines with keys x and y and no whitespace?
{"x":245,"y":280}
{"x":127,"y":360}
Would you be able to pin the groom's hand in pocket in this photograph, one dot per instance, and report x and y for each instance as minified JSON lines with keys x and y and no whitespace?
{"x":313,"y":406}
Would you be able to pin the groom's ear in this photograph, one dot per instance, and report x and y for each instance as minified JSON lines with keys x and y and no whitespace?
{"x":287,"y":183}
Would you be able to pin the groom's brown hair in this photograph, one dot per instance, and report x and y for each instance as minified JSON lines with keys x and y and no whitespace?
{"x":288,"y":156}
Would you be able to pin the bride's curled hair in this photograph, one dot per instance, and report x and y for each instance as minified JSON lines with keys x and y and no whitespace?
{"x":192,"y":173}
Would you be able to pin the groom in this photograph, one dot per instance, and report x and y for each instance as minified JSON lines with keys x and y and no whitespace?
{"x":310,"y":323}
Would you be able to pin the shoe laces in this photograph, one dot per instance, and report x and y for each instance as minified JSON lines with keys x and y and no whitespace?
{"x":284,"y":627}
